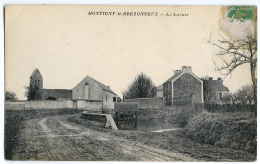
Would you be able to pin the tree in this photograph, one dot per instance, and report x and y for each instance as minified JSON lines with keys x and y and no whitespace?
{"x":142,"y":86}
{"x":245,"y":95}
{"x":33,"y":92}
{"x":10,"y":96}
{"x":236,"y":53}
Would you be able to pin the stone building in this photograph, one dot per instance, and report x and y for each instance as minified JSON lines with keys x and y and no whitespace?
{"x":184,"y":84}
{"x":49,"y":94}
{"x":214,"y":90}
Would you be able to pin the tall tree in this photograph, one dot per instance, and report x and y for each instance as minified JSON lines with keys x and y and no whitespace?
{"x":142,"y":86}
{"x":10,"y":96}
{"x":236,"y":53}
{"x":33,"y":92}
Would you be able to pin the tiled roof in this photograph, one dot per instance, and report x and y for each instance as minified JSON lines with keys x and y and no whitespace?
{"x":159,"y":88}
{"x":173,"y":77}
{"x":214,"y":85}
{"x":36,"y":72}
{"x":103,"y":86}
{"x":57,"y":93}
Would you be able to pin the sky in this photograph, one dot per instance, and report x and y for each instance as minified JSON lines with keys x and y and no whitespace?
{"x":66,"y":44}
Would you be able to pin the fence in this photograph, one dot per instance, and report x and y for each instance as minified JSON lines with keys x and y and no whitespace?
{"x":179,"y":101}
{"x":228,"y":108}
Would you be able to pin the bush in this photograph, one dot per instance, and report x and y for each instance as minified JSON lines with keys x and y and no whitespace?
{"x":230,"y":130}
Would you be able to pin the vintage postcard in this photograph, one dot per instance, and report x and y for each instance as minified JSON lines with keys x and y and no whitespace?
{"x":130,"y":83}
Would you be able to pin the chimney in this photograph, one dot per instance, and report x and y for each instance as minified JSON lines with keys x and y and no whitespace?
{"x":219,"y":78}
{"x":186,"y":69}
{"x":108,"y":87}
{"x":176,"y":71}
{"x":210,"y":78}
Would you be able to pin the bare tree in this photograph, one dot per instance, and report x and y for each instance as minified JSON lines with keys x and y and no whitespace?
{"x":10,"y":96}
{"x":236,"y":53}
{"x":142,"y":86}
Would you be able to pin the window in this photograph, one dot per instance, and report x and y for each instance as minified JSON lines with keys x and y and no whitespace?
{"x":220,"y":96}
{"x":106,"y":97}
{"x":114,"y":99}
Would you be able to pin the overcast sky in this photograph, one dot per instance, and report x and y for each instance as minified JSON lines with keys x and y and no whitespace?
{"x":66,"y":44}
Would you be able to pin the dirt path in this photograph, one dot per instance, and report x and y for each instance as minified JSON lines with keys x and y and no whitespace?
{"x":54,"y":138}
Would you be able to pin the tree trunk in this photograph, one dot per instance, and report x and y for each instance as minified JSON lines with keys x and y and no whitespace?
{"x":253,"y":69}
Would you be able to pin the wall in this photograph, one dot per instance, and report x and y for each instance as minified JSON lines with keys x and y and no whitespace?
{"x":108,"y":100}
{"x":148,"y":103}
{"x":93,"y":106}
{"x":215,"y":108}
{"x":14,"y":105}
{"x":48,"y":104}
{"x":186,"y":85}
{"x":167,"y":91}
{"x":95,"y":92}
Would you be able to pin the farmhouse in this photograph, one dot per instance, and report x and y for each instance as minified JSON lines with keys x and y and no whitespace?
{"x":91,"y":89}
{"x":184,"y":85}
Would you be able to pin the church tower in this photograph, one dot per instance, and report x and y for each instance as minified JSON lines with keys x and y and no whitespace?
{"x":36,"y":79}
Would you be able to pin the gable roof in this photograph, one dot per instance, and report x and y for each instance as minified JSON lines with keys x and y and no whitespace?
{"x":214,"y":85}
{"x":36,"y":72}
{"x":57,"y":93}
{"x":104,"y":87}
{"x":173,"y":77}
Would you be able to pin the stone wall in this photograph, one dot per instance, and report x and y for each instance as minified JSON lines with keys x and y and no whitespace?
{"x":14,"y":105}
{"x":48,"y":104}
{"x":147,"y":103}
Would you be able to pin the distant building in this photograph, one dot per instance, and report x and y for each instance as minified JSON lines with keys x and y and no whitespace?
{"x":49,"y":94}
{"x":159,"y":91}
{"x":88,"y":89}
{"x":183,"y":84}
{"x":214,"y":90}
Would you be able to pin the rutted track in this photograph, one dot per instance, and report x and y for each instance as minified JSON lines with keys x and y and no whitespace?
{"x":54,"y":138}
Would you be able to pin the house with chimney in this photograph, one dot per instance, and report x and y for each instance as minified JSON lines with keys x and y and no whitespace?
{"x":214,"y":90}
{"x":184,"y":86}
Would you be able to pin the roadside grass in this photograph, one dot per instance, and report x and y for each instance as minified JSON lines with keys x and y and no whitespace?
{"x":226,"y":130}
{"x":14,"y":123}
{"x":175,"y":141}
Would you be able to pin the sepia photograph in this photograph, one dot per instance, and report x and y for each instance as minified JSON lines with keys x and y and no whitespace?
{"x":130,"y":83}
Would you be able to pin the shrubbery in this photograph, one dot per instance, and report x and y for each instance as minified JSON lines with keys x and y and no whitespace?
{"x":228,"y":130}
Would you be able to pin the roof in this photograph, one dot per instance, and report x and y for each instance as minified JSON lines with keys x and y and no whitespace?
{"x":173,"y":77}
{"x":214,"y":85}
{"x":104,"y":87}
{"x":57,"y":93}
{"x":159,"y":88}
{"x":36,"y":72}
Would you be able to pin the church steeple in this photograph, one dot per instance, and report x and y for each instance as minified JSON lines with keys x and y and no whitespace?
{"x":36,"y":79}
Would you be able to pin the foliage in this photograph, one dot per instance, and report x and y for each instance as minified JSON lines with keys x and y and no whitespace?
{"x":230,"y":130}
{"x":141,"y":87}
{"x":10,"y":96}
{"x":243,"y":96}
{"x":33,"y":92}
{"x":236,"y":53}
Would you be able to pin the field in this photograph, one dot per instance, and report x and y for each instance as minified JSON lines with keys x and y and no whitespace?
{"x":63,"y":135}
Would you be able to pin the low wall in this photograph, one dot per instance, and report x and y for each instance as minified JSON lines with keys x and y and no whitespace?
{"x":228,"y":108}
{"x":148,"y":103}
{"x":14,"y":105}
{"x":48,"y":104}
{"x":126,"y":107}
{"x":93,"y":106}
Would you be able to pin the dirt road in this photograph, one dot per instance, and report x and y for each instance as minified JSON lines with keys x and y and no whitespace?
{"x":56,"y":138}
